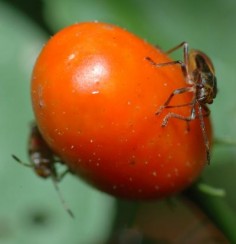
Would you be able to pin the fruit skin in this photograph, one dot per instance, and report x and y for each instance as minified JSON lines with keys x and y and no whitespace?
{"x":95,"y":95}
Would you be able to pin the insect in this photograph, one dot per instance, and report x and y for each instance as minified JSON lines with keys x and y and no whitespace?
{"x":200,"y":77}
{"x":43,"y":161}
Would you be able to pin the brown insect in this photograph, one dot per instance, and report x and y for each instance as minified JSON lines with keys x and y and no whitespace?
{"x":200,"y":78}
{"x":43,"y":161}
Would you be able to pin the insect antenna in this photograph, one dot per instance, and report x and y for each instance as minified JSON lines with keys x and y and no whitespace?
{"x":21,"y":162}
{"x":63,"y":202}
{"x":55,"y":184}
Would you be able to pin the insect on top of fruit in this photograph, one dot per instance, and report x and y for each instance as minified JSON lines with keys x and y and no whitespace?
{"x":200,"y":78}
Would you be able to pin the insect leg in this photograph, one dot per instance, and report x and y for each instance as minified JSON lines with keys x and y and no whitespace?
{"x":182,"y":44}
{"x":205,"y":110}
{"x":177,"y":116}
{"x":55,"y":184}
{"x":203,"y":127}
{"x":178,"y":62}
{"x":184,"y":64}
{"x":175,"y":92}
{"x":185,"y":52}
{"x":63,"y":174}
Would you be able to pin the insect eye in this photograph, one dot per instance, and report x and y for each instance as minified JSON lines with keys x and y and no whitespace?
{"x":215,"y":89}
{"x":202,"y":64}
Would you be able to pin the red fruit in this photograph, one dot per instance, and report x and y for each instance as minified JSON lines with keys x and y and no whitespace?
{"x":95,"y":96}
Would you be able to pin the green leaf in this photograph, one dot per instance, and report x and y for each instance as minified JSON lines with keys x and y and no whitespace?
{"x":30,"y":205}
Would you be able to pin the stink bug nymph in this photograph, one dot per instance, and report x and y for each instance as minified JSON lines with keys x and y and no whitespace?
{"x":43,"y":161}
{"x":200,"y":78}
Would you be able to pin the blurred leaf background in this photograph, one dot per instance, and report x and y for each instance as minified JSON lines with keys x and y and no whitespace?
{"x":30,"y":211}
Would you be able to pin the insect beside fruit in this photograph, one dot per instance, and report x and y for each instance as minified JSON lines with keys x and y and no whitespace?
{"x":43,"y":161}
{"x":200,"y":78}
{"x":95,"y":98}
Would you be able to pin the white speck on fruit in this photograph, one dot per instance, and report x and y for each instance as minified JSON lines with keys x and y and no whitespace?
{"x":95,"y":92}
{"x":168,"y":175}
{"x":59,"y":132}
{"x":72,"y":147}
{"x":170,"y":156}
{"x":91,"y":140}
{"x":41,"y":103}
{"x":154,"y":173}
{"x":71,"y":56}
{"x":40,"y":95}
{"x":97,"y":164}
{"x":157,"y":187}
{"x":146,"y":162}
{"x":130,"y":179}
{"x":188,"y":164}
{"x":165,"y":84}
{"x":176,"y":171}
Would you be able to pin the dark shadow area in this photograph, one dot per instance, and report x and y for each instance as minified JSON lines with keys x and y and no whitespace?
{"x":33,"y":10}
